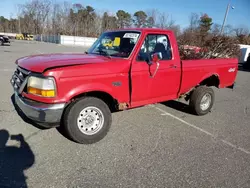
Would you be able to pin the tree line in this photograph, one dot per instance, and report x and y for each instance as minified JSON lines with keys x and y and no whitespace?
{"x":46,"y":17}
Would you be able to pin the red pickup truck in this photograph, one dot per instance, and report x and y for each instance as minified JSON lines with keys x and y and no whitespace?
{"x":141,"y":66}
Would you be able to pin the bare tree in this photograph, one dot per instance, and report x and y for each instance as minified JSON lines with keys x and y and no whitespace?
{"x":152,"y":17}
{"x":163,"y":17}
{"x":171,"y":23}
{"x":241,"y":31}
{"x":216,"y":28}
{"x":193,"y":21}
{"x":97,"y":26}
{"x":242,"y":35}
{"x":176,"y":29}
{"x":50,"y":17}
{"x":228,"y":30}
{"x":108,"y":22}
{"x":36,"y":12}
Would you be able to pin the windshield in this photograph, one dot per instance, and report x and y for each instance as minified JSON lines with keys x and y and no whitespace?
{"x":117,"y":43}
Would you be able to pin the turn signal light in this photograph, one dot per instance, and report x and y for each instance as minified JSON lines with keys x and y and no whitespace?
{"x":43,"y":93}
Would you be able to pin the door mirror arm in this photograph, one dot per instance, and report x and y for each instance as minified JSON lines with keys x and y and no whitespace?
{"x":155,"y":59}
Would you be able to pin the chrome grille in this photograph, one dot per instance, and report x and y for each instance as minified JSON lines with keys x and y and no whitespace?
{"x":18,"y":79}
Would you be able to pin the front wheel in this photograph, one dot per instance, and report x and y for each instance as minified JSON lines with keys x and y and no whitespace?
{"x":202,"y":100}
{"x":87,"y":120}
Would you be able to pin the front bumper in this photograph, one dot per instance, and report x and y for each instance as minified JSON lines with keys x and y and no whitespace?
{"x":43,"y":114}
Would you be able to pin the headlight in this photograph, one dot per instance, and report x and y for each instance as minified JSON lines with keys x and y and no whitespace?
{"x":44,"y":87}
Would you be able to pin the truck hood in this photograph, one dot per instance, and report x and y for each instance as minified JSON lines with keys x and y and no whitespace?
{"x":40,"y":63}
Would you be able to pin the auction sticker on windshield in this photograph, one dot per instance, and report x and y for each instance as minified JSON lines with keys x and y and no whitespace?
{"x":131,"y":35}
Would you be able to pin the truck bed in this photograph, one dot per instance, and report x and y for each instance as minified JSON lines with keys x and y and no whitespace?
{"x":195,"y":71}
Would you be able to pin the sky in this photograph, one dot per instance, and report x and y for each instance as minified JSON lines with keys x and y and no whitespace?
{"x":179,"y":10}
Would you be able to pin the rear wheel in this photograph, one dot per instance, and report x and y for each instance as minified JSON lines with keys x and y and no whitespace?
{"x":202,"y":100}
{"x":1,"y":43}
{"x":87,"y":120}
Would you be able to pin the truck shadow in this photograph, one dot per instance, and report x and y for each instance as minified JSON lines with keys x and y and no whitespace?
{"x":182,"y":107}
{"x":23,"y":116}
{"x":62,"y":131}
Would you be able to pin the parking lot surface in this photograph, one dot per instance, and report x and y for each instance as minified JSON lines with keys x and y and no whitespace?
{"x":160,"y":145}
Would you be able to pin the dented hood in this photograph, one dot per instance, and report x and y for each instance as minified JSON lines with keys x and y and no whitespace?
{"x":40,"y":63}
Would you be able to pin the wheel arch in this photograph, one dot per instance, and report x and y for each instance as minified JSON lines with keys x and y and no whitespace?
{"x":103,"y":95}
{"x":211,"y":80}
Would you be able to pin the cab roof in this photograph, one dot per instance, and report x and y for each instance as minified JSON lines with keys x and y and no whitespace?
{"x":142,"y":30}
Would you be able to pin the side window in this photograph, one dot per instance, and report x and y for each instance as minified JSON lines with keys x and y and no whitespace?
{"x":155,"y":43}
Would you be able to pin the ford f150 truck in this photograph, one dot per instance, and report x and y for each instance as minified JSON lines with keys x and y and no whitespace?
{"x":80,"y":91}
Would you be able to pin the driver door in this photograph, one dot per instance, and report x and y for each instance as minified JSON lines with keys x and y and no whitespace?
{"x":150,"y":85}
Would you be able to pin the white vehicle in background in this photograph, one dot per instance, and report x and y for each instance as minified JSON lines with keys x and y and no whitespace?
{"x":244,"y":50}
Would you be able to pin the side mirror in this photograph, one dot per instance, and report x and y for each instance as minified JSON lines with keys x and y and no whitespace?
{"x":156,"y":57}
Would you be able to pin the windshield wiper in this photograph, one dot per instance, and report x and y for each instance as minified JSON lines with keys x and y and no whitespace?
{"x":104,"y":53}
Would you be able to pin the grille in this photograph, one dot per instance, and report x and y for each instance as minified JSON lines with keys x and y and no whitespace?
{"x":18,"y":79}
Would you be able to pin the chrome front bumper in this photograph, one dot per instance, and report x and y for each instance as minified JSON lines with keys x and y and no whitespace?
{"x":40,"y":112}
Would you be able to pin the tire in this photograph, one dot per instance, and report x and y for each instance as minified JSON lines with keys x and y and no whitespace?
{"x":246,"y":65}
{"x":196,"y":100}
{"x":99,"y":119}
{"x":2,"y":43}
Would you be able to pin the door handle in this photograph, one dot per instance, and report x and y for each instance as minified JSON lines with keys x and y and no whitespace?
{"x":173,"y":66}
{"x":157,"y":67}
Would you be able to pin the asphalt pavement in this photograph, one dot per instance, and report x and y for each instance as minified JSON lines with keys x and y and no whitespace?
{"x":159,"y":145}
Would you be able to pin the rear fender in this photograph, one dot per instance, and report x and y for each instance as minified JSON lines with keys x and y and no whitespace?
{"x":208,"y":76}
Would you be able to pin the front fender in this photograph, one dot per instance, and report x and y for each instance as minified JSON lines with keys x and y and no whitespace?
{"x":88,"y":88}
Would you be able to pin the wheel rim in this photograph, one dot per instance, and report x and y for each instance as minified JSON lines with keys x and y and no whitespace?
{"x":205,"y":101}
{"x":90,"y":120}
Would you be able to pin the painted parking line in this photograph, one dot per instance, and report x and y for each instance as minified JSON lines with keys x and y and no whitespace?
{"x":7,"y":70}
{"x":165,"y":113}
{"x":39,"y":52}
